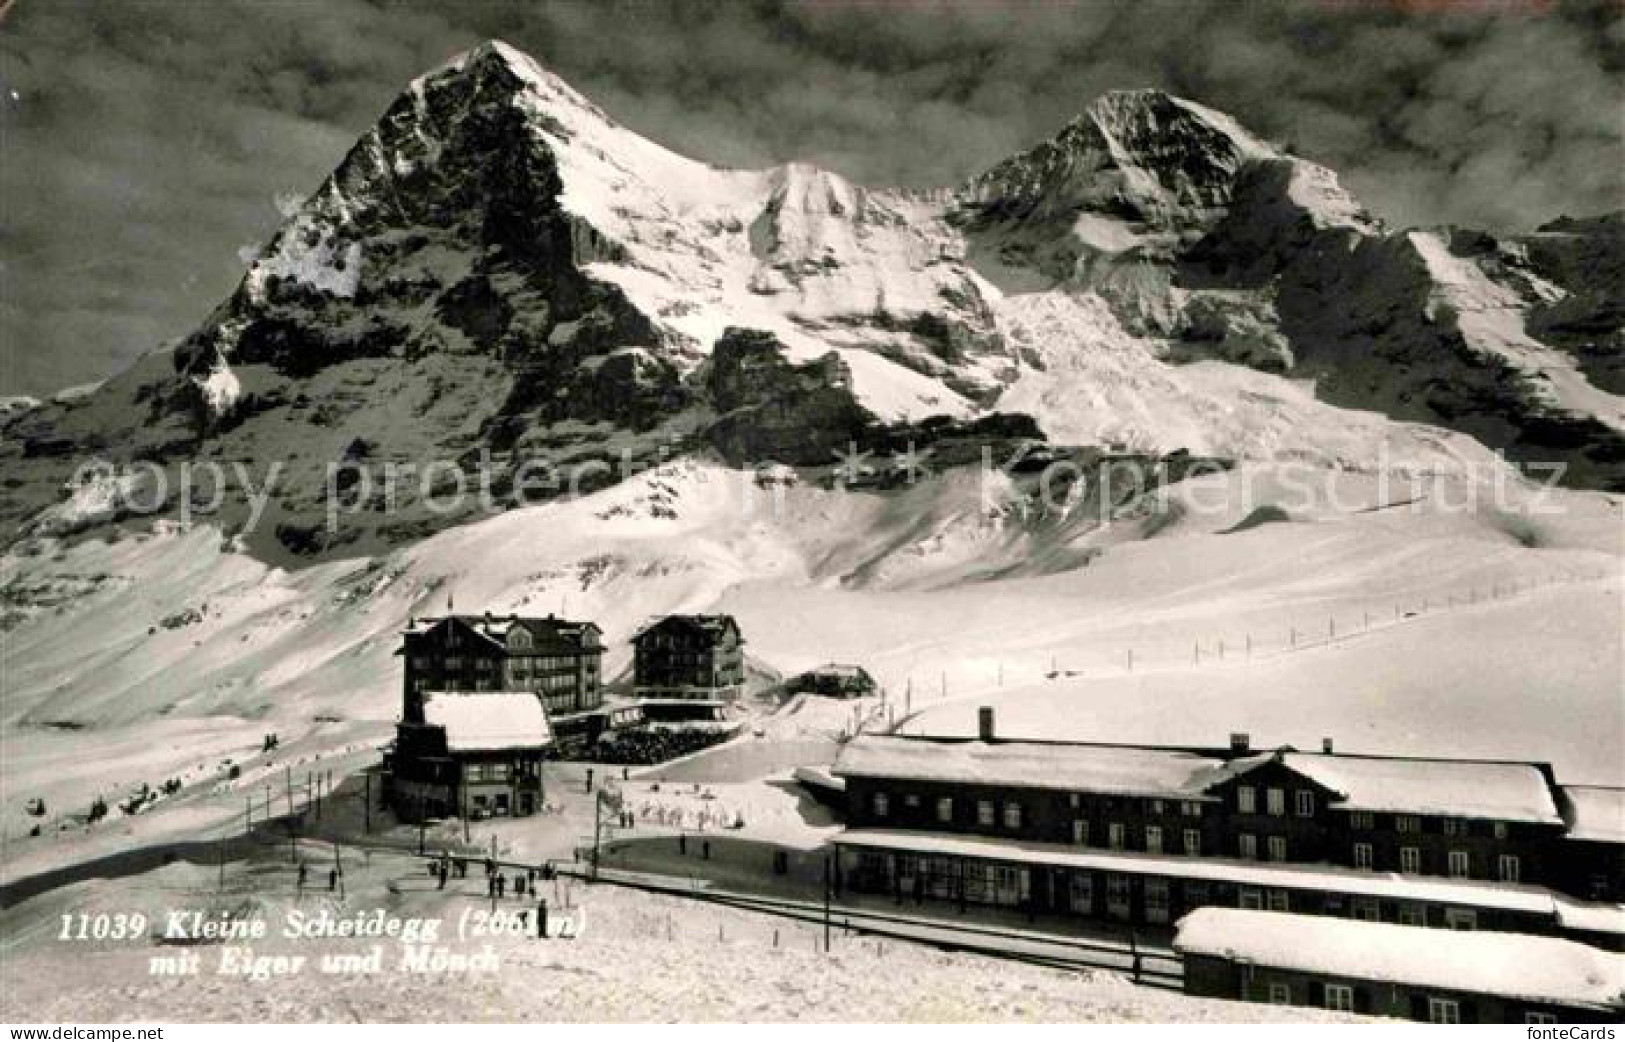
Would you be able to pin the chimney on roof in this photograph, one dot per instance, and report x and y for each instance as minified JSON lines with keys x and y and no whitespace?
{"x":985,"y":729}
{"x":1326,"y":746}
{"x":1240,"y":742}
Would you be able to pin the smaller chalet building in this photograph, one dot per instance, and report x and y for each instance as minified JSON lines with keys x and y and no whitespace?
{"x":1387,"y":970}
{"x":557,"y":659}
{"x":689,"y":657}
{"x":473,"y":754}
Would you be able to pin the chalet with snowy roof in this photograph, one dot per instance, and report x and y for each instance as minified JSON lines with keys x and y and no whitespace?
{"x":835,"y":680}
{"x":1386,"y":970}
{"x":558,"y":659}
{"x":471,"y":754}
{"x":689,"y":657}
{"x":1141,"y":834}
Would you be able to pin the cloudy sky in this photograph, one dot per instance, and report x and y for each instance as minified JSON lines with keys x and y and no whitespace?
{"x":144,"y":144}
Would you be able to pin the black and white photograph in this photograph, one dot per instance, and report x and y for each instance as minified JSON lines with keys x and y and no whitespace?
{"x":838,"y":512}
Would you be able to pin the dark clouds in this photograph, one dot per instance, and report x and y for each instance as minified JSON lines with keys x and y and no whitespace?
{"x":150,"y":140}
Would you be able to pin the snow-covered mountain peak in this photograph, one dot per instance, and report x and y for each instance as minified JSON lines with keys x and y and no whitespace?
{"x":1138,"y":155}
{"x":500,"y":68}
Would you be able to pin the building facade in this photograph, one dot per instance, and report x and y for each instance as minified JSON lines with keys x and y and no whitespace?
{"x":470,"y":755}
{"x":1396,"y":971}
{"x":557,"y":659}
{"x":689,"y":657}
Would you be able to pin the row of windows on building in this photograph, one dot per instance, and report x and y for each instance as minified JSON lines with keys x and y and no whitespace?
{"x":694,"y":658}
{"x":989,"y":814}
{"x":996,"y":883}
{"x":1303,"y":804}
{"x":1275,"y":803}
{"x":1340,"y":997}
{"x":1458,"y":863}
{"x":1365,"y":821}
{"x":541,"y":684}
{"x":520,"y":663}
{"x":1440,"y":1009}
{"x":494,"y":772}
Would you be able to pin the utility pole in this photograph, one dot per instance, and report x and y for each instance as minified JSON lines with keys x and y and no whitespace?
{"x":366,"y":802}
{"x":293,"y":821}
{"x":827,"y":884}
{"x":597,"y":831}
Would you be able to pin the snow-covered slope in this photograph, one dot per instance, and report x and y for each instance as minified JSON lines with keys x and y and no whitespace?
{"x":498,"y":274}
{"x":168,"y":655}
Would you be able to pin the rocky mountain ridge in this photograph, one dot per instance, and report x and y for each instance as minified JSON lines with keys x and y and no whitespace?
{"x":499,"y":270}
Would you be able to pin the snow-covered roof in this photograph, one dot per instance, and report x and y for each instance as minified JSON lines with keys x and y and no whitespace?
{"x":488,"y":721}
{"x":1452,"y":788}
{"x":837,"y":669}
{"x":1534,"y":969}
{"x":496,"y":628}
{"x":1326,"y":878}
{"x":1595,"y":813}
{"x":714,"y":627}
{"x":1120,"y":770}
